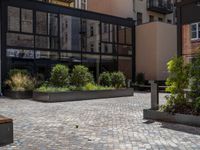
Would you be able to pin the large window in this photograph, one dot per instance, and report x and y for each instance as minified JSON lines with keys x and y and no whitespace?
{"x":195,"y":31}
{"x":37,"y":39}
{"x":139,"y":18}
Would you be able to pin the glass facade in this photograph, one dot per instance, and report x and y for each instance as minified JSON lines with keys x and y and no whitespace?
{"x":37,"y":39}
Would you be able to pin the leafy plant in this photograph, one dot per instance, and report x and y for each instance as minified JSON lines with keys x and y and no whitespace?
{"x":195,"y":77}
{"x":105,"y":79}
{"x":48,"y":88}
{"x":15,"y":71}
{"x":197,"y":105}
{"x":118,"y":79}
{"x":20,"y":81}
{"x":39,"y":79}
{"x":177,"y":81}
{"x":140,"y":78}
{"x":59,"y":76}
{"x":80,"y":76}
{"x":92,"y":87}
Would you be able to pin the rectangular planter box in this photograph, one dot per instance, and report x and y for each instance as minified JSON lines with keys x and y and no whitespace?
{"x":6,"y":131}
{"x":18,"y":94}
{"x":80,"y":95}
{"x":176,"y":118}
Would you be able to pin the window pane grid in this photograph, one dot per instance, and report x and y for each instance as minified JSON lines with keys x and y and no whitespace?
{"x":44,"y":36}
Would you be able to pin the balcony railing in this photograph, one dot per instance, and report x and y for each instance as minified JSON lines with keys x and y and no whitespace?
{"x":160,"y":6}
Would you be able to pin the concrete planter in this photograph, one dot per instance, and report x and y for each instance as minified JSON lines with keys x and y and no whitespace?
{"x":176,"y":118}
{"x":18,"y":94}
{"x":80,"y":95}
{"x":6,"y":131}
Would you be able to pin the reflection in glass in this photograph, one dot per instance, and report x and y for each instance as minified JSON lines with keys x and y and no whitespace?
{"x":13,"y":18}
{"x":128,"y":36}
{"x":41,"y":22}
{"x":70,"y":33}
{"x":121,"y":33}
{"x":53,"y":24}
{"x":27,"y":20}
{"x":47,"y":55}
{"x":106,"y":48}
{"x":42,"y":42}
{"x":92,"y":37}
{"x":124,"y":50}
{"x":21,"y":40}
{"x":71,"y":57}
{"x":125,"y":66}
{"x":20,"y":53}
{"x":109,"y":32}
{"x":68,"y":3}
{"x":93,"y":63}
{"x":109,"y":63}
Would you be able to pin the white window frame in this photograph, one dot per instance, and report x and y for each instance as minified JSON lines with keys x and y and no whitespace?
{"x":197,"y":31}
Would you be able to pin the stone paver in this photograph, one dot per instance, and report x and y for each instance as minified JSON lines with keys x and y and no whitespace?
{"x":106,"y":124}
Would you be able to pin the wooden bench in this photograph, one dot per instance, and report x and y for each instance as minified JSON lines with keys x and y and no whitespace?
{"x":6,"y":131}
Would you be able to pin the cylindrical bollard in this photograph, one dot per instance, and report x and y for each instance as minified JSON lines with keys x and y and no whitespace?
{"x":154,"y":95}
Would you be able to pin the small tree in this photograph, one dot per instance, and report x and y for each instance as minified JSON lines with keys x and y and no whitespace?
{"x":80,"y":76}
{"x":195,"y":82}
{"x":177,"y":81}
{"x":195,"y":77}
{"x":59,"y":76}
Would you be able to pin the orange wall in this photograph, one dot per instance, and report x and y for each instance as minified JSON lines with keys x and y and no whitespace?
{"x":112,"y":7}
{"x":156,"y":44}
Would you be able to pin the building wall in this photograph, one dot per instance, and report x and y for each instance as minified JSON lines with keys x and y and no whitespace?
{"x":126,"y":9}
{"x":146,"y":50}
{"x":155,"y":46}
{"x":166,"y":47}
{"x":155,"y":42}
{"x":190,"y":47}
{"x":141,"y":6}
{"x":112,"y":7}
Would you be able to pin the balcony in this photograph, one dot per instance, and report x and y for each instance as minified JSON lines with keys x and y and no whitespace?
{"x":160,"y":6}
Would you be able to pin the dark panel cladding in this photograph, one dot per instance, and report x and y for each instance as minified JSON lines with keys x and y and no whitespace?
{"x":190,"y":13}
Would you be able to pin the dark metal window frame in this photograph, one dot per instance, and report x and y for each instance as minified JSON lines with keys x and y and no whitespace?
{"x":55,"y":9}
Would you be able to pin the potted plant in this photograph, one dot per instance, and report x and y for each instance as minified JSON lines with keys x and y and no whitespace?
{"x":80,"y":85}
{"x":20,"y":84}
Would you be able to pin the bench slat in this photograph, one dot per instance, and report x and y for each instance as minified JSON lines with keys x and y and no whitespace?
{"x":5,"y":120}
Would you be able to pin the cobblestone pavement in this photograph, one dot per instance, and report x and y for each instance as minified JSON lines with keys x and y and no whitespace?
{"x":106,"y":124}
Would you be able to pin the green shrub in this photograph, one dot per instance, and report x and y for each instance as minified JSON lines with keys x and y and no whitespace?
{"x":177,"y":81}
{"x":140,"y":78}
{"x":197,"y":104}
{"x":20,"y":80}
{"x":16,"y":71}
{"x":118,"y":79}
{"x":47,"y":88}
{"x":39,"y":79}
{"x":80,"y":76}
{"x":195,"y":77}
{"x":59,"y":76}
{"x":105,"y":79}
{"x":92,"y":87}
